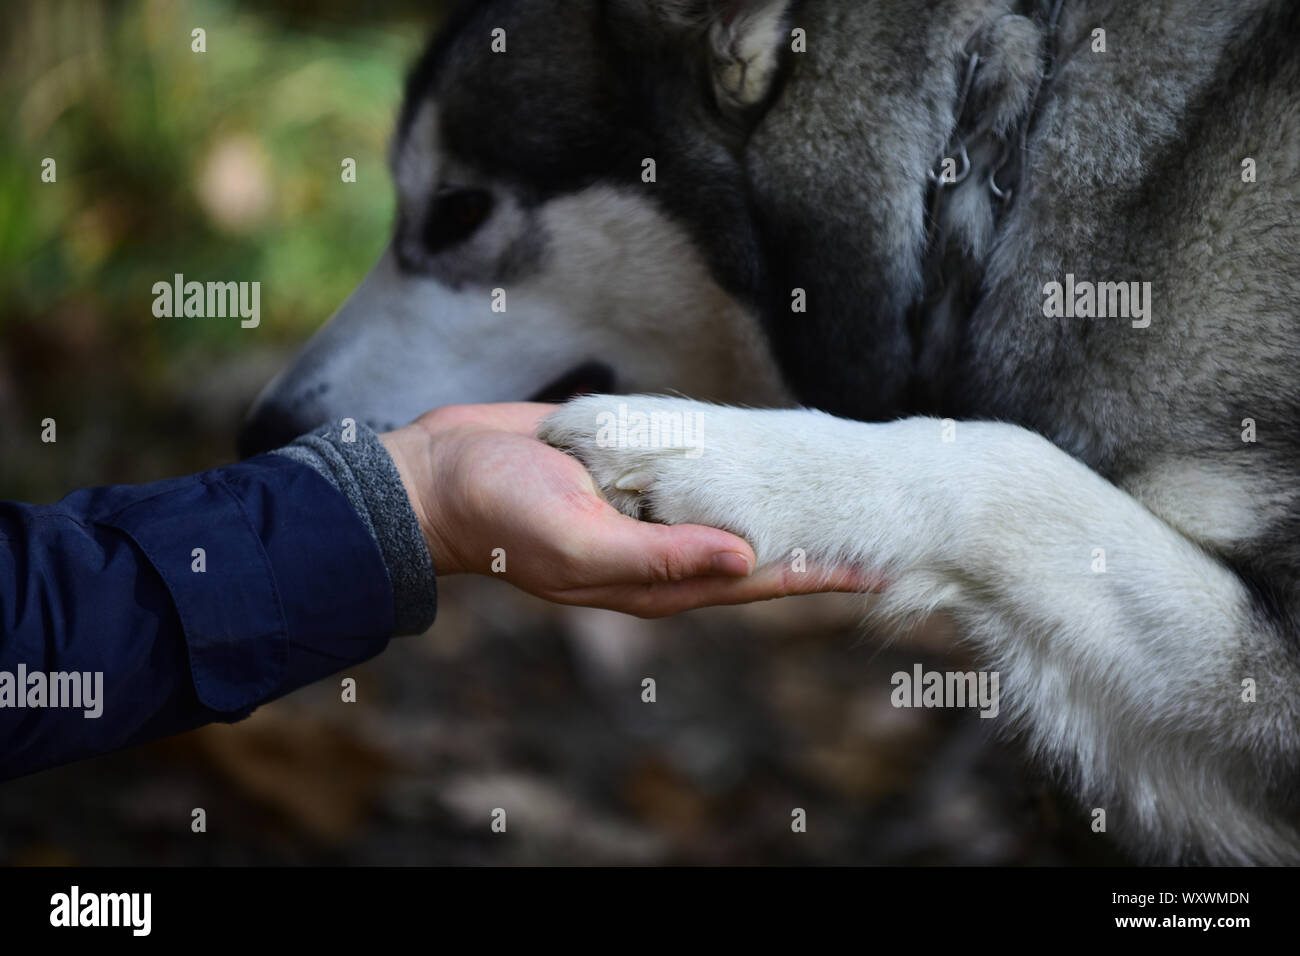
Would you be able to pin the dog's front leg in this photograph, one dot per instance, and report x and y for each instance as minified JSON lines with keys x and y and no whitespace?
{"x":1122,"y":646}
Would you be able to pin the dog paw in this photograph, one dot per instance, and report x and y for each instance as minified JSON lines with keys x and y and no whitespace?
{"x":631,"y":445}
{"x":756,"y":473}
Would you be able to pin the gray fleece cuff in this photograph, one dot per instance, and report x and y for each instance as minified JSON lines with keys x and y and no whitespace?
{"x":366,"y":475}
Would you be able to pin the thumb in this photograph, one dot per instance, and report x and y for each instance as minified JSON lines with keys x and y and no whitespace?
{"x":628,"y":551}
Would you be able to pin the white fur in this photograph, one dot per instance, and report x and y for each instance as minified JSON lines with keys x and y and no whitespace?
{"x":615,"y":280}
{"x":618,"y":281}
{"x":1129,"y":679}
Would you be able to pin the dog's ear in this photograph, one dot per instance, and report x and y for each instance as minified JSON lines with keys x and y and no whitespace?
{"x":745,"y":42}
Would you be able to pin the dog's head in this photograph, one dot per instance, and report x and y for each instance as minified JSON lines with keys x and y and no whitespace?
{"x":641,"y":195}
{"x":572,"y":216}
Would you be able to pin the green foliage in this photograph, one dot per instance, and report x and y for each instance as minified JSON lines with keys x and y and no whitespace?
{"x":223,"y":166}
{"x":139,"y":126}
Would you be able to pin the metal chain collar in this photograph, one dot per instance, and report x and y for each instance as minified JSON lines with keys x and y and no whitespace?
{"x":957,"y":151}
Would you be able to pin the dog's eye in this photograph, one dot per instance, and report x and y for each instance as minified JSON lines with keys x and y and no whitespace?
{"x":454,"y":215}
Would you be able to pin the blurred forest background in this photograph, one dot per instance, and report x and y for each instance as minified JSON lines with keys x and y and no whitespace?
{"x":226,"y":165}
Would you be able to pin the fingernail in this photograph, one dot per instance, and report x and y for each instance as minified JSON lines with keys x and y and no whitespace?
{"x":731,"y":563}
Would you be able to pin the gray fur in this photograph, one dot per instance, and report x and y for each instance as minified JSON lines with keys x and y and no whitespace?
{"x":1131,"y":172}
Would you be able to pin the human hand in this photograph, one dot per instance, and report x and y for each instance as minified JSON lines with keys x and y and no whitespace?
{"x":478,"y":480}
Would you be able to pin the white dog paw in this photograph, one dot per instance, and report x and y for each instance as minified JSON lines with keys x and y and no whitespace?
{"x":632,"y":444}
{"x":760,"y":474}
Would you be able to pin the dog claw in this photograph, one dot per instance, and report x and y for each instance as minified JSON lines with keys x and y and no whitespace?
{"x":635,"y":481}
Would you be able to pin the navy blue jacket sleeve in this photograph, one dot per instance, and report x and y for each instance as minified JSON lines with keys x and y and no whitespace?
{"x":195,"y":599}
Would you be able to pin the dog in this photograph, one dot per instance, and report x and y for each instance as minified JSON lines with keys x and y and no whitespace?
{"x":997,"y":298}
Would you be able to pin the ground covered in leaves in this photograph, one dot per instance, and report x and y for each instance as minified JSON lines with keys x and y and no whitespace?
{"x":508,"y":703}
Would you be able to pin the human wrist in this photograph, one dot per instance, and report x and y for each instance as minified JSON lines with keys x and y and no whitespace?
{"x":414,"y":454}
{"x":361,"y":467}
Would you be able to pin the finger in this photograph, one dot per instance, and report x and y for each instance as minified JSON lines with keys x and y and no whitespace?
{"x":622,"y":550}
{"x":522,"y":417}
{"x":768,"y":583}
{"x":519,"y":417}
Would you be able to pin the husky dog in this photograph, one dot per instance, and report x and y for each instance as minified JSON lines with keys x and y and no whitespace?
{"x":1010,"y":290}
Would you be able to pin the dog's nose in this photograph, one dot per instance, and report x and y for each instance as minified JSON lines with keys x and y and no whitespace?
{"x":267,"y":429}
